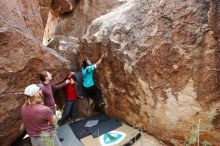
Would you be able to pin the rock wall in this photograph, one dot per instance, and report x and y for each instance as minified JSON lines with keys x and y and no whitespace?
{"x":22,"y":58}
{"x":214,"y":27}
{"x":67,"y":47}
{"x":162,"y":66}
{"x":74,"y":23}
{"x":44,"y":7}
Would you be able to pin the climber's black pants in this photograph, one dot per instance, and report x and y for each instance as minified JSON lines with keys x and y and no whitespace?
{"x":94,"y":93}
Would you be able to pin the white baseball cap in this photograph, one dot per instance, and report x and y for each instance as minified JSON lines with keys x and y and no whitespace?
{"x":31,"y":90}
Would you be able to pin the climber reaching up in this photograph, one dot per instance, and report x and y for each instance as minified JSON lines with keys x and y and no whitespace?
{"x":88,"y":82}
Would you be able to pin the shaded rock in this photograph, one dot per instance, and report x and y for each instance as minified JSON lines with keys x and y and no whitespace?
{"x":147,"y":140}
{"x":214,"y":17}
{"x":22,"y":142}
{"x":61,"y":6}
{"x":22,"y":58}
{"x":67,"y":47}
{"x":76,"y":22}
{"x":22,"y":16}
{"x":85,"y":110}
{"x":161,"y":71}
{"x":44,"y":10}
{"x":56,"y":7}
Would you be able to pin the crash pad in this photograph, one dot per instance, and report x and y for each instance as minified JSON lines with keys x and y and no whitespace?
{"x":69,"y":139}
{"x":104,"y":127}
{"x":122,"y":136}
{"x":79,"y":127}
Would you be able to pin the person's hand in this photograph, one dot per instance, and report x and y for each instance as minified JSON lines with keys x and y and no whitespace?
{"x":103,"y":56}
{"x":67,"y":81}
{"x":58,"y":114}
{"x":72,"y":81}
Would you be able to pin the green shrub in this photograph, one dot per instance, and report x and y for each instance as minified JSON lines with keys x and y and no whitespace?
{"x":199,"y":128}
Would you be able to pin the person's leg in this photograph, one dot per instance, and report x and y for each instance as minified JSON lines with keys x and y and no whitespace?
{"x":56,"y":140}
{"x":86,"y":93}
{"x":89,"y":96}
{"x":51,"y":140}
{"x":37,"y":141}
{"x":95,"y":96}
{"x":74,"y":110}
{"x":67,"y":108}
{"x":98,"y":94}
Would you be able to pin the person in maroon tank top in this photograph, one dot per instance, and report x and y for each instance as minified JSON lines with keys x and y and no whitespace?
{"x":38,"y":118}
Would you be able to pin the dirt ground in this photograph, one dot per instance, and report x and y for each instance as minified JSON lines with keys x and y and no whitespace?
{"x":147,"y":140}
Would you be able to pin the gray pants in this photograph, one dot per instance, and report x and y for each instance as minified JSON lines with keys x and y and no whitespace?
{"x":51,"y":141}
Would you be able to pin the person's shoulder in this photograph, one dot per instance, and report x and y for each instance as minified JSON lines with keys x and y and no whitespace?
{"x":84,"y":69}
{"x":23,"y":106}
{"x":42,"y":109}
{"x":91,"y":66}
{"x":41,"y":106}
{"x":45,"y":86}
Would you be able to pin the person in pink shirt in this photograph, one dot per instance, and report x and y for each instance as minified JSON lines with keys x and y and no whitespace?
{"x":48,"y":88}
{"x":38,"y":118}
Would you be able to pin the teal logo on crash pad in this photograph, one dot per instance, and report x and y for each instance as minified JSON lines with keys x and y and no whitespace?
{"x":112,"y":138}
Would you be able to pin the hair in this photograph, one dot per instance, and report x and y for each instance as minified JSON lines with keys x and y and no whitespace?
{"x":43,"y":75}
{"x":84,"y":64}
{"x":36,"y":99}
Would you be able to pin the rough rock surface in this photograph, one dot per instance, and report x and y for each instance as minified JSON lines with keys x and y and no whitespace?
{"x":85,"y":109}
{"x":214,"y":15}
{"x":214,"y":26}
{"x":44,"y":7}
{"x":147,"y":140}
{"x":162,"y":66}
{"x":67,"y":47}
{"x":76,"y":22}
{"x":59,"y":7}
{"x":22,"y":58}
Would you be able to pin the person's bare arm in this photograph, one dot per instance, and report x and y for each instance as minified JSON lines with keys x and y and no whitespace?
{"x":61,"y":85}
{"x":100,"y":60}
{"x":54,"y":120}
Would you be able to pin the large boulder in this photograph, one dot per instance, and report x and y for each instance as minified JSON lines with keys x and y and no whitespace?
{"x":59,"y":7}
{"x":44,"y":7}
{"x":22,"y":58}
{"x":67,"y":47}
{"x":74,"y":23}
{"x":214,"y":17}
{"x":162,"y":67}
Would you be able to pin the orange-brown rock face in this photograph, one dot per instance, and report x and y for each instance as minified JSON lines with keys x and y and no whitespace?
{"x":44,"y":7}
{"x":61,"y":6}
{"x":22,"y":58}
{"x":75,"y":22}
{"x":162,"y":67}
